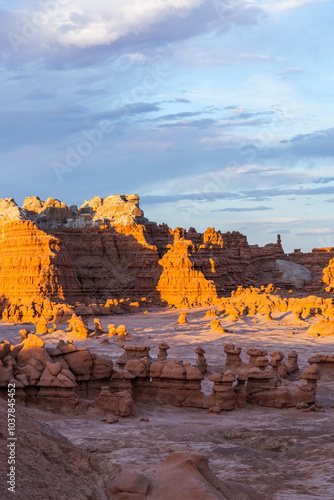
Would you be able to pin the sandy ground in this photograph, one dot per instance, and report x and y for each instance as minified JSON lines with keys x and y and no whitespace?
{"x":285,"y":453}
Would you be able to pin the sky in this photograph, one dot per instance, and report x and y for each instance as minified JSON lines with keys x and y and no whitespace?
{"x":218,"y":113}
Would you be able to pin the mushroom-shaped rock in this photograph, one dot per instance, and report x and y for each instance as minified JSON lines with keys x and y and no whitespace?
{"x":42,"y":326}
{"x":199,"y":350}
{"x":173,"y":370}
{"x":112,"y":330}
{"x":277,"y":354}
{"x":258,"y":374}
{"x":216,"y":326}
{"x":311,"y":373}
{"x":292,"y":362}
{"x":232,"y":349}
{"x":98,"y":325}
{"x":201,"y":361}
{"x":77,"y":327}
{"x":121,"y":330}
{"x":242,"y":376}
{"x":275,"y":362}
{"x":262,"y":362}
{"x":228,"y":377}
{"x":193,"y":373}
{"x":182,"y":319}
{"x":253,"y":354}
{"x":163,"y":348}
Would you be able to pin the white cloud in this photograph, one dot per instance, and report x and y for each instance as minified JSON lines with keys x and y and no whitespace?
{"x":84,"y":23}
{"x":278,"y":5}
{"x":283,"y":220}
{"x":291,"y":71}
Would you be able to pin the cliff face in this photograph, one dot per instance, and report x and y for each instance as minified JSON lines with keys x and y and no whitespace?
{"x":107,"y":253}
{"x":32,"y":263}
{"x":328,"y":276}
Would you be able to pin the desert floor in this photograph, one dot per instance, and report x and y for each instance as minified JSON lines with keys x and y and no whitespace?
{"x":287,"y":454}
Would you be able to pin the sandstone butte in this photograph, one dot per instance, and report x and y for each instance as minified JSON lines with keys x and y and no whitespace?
{"x":106,"y":257}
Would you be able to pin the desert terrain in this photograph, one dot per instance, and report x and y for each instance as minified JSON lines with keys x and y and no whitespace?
{"x":283,"y":453}
{"x":146,"y":363}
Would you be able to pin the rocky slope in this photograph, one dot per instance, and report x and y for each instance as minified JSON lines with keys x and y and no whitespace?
{"x":106,"y":255}
{"x":48,"y":466}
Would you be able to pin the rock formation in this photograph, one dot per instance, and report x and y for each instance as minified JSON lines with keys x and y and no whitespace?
{"x":106,"y":257}
{"x":71,"y":380}
{"x":328,"y":276}
{"x":49,"y":466}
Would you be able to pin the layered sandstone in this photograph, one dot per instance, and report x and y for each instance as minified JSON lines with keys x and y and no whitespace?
{"x":328,"y":276}
{"x":106,"y":257}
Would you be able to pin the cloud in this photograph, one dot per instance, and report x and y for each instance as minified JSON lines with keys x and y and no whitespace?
{"x":82,"y":23}
{"x":180,"y":100}
{"x":201,"y":197}
{"x":317,"y":143}
{"x":245,"y":209}
{"x":291,"y":71}
{"x":259,"y":194}
{"x":177,"y":116}
{"x":316,"y":232}
{"x":202,"y":123}
{"x":254,"y":57}
{"x":279,"y":5}
{"x":281,"y":231}
{"x":244,"y":114}
{"x":323,"y":180}
{"x":93,"y":92}
{"x":282,"y":191}
{"x":79,"y":25}
{"x":284,"y":220}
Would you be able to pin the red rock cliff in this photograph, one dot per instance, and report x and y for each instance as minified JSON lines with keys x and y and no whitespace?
{"x":106,"y":250}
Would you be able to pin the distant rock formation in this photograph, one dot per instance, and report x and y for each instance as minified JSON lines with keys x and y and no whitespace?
{"x":328,"y":276}
{"x":106,"y":257}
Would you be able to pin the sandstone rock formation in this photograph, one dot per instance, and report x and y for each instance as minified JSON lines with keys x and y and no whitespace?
{"x":328,"y":275}
{"x":49,"y":466}
{"x":322,"y":328}
{"x":269,"y":301}
{"x":106,"y":257}
{"x":181,"y":476}
{"x":70,"y":380}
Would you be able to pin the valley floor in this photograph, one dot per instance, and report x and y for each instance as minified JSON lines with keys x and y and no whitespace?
{"x":285,"y":453}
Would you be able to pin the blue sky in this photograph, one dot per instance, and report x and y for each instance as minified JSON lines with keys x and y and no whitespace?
{"x":217,"y":113}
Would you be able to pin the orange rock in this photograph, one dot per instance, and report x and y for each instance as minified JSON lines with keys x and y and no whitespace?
{"x":182,"y":319}
{"x":56,"y":260}
{"x":216,"y":326}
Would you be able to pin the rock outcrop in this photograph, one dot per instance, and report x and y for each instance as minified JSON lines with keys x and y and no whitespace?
{"x":105,"y":257}
{"x":328,"y":276}
{"x":71,"y":380}
{"x":49,"y":466}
